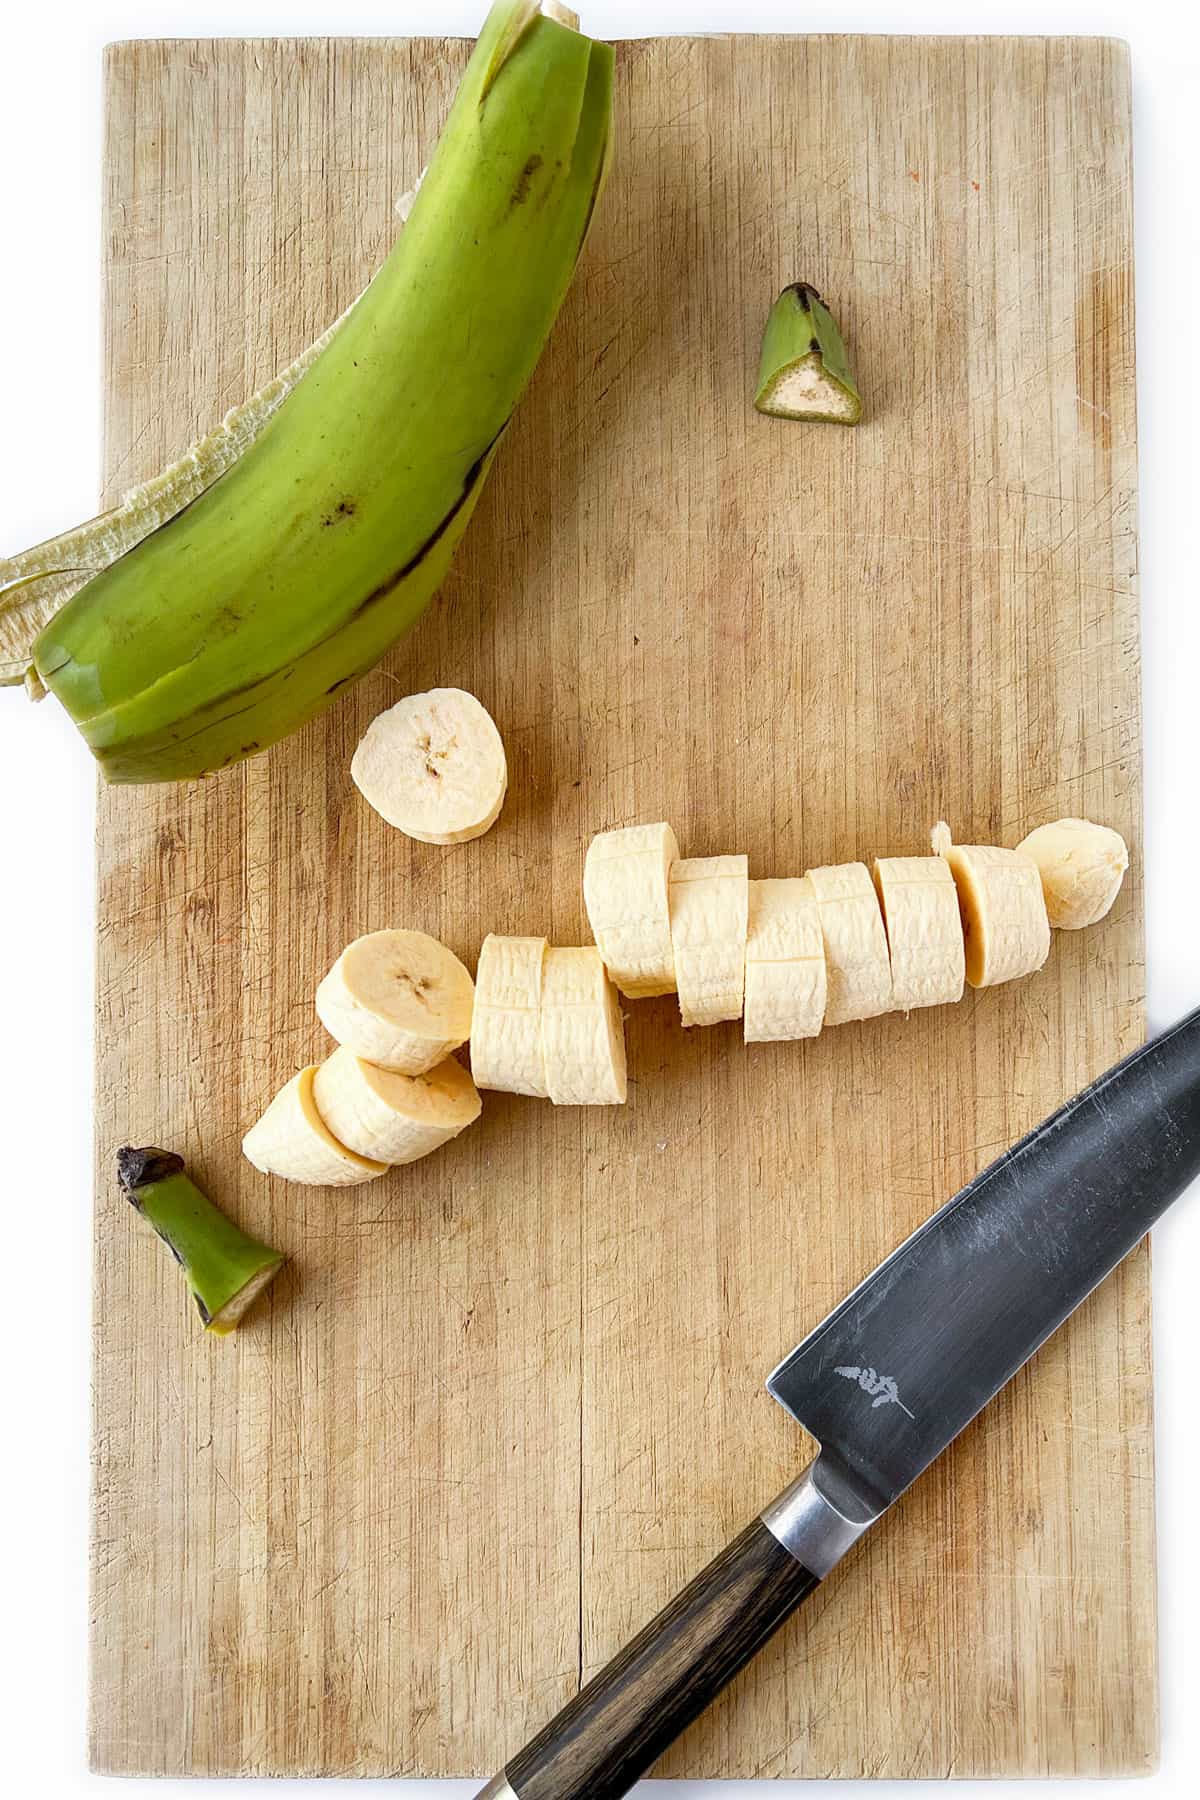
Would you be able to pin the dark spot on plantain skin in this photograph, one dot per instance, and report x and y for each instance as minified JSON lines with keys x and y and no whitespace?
{"x":345,"y":509}
{"x":521,"y":192}
{"x":339,"y":684}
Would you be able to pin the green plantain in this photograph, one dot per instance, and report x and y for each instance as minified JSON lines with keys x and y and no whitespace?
{"x":290,"y":576}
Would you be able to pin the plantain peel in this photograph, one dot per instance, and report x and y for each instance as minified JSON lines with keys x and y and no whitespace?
{"x":288,"y":577}
{"x":36,"y":584}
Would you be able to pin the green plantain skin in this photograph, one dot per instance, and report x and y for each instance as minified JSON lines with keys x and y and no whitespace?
{"x":294,"y":573}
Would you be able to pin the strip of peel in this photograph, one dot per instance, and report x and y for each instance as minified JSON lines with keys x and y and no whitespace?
{"x":522,"y":18}
{"x":37,"y":583}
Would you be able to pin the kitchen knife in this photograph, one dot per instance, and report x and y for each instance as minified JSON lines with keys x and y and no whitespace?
{"x":883,"y":1385}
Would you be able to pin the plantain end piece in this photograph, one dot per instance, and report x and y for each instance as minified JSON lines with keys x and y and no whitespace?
{"x":1081,"y":865}
{"x":226,"y":1270}
{"x":804,"y":372}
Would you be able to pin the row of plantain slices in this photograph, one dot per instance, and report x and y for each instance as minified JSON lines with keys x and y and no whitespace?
{"x":786,"y":956}
{"x":842,"y":942}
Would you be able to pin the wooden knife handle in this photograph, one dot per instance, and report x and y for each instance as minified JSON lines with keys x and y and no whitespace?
{"x":608,"y":1736}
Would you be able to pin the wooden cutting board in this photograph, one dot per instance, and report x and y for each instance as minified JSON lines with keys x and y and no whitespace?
{"x":503,"y":1403}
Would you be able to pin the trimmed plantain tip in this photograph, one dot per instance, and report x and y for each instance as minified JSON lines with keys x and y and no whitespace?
{"x":804,"y":372}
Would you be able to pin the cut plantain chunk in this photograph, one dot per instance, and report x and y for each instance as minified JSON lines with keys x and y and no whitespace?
{"x":710,"y":901}
{"x":398,"y":999}
{"x":433,"y":766}
{"x":393,"y":1118}
{"x":857,"y":966}
{"x":506,"y":1027}
{"x":625,"y":890}
{"x":1006,"y":930}
{"x":785,"y":962}
{"x":583,"y":1039}
{"x":1082,"y":867}
{"x":292,"y":1139}
{"x":924,"y":932}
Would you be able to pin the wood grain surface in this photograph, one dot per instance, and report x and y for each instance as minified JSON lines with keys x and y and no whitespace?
{"x":503,"y":1403}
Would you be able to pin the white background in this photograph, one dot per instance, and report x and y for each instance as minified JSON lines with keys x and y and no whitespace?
{"x":49,"y":463}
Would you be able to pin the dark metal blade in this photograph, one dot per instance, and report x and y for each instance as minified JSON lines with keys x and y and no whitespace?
{"x":907,"y":1360}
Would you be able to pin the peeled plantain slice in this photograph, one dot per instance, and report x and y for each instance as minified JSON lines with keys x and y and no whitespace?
{"x":393,"y":1118}
{"x":625,"y":889}
{"x":583,"y":1038}
{"x":785,"y":962}
{"x":506,"y":1026}
{"x":709,"y":901}
{"x":399,"y":999}
{"x":925,"y":939}
{"x":856,"y":951}
{"x":433,"y":766}
{"x":1006,"y":931}
{"x":292,"y":1139}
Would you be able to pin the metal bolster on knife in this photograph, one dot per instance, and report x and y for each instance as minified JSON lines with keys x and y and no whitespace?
{"x":810,"y":1526}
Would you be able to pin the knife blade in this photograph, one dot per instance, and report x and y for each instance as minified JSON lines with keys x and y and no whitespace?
{"x":884,"y":1384}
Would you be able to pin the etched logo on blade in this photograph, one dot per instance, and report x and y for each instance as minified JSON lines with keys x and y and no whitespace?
{"x":882,"y":1388}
